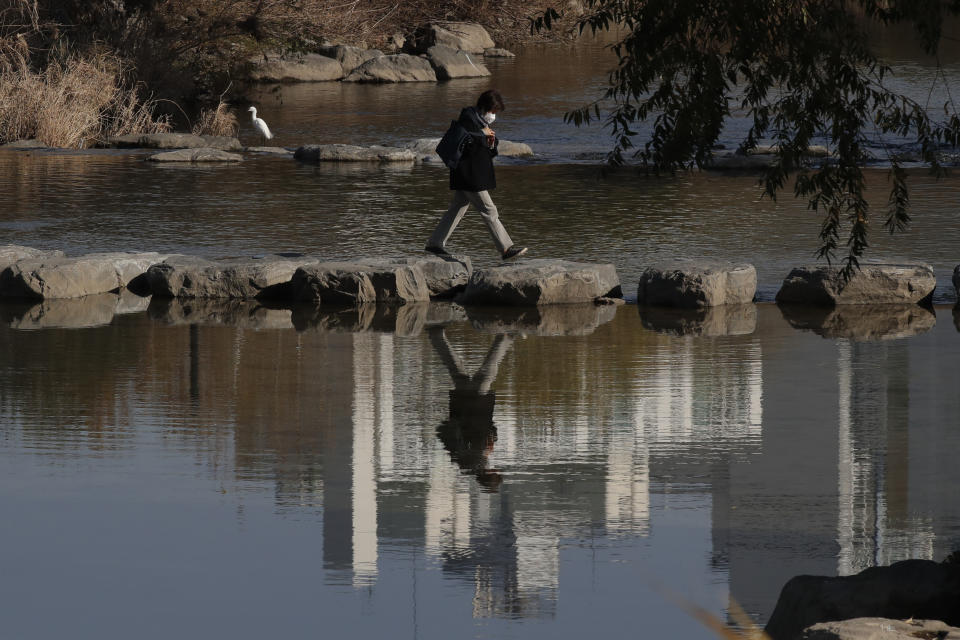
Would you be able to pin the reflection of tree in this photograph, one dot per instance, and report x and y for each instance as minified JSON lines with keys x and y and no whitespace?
{"x":469,"y":433}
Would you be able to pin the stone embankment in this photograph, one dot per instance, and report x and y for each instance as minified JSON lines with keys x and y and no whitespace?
{"x":436,"y":52}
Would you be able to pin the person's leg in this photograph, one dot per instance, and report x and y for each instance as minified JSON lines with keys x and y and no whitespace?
{"x":458,"y":206}
{"x":484,"y":204}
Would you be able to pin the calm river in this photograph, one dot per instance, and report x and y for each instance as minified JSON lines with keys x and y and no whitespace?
{"x":230,"y":471}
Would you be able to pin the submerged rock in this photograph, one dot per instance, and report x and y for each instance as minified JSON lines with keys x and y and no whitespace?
{"x":241,"y":278}
{"x":723,"y":320}
{"x":63,"y":277}
{"x":908,"y":589}
{"x":398,"y":67}
{"x":352,"y":153}
{"x":310,"y":67}
{"x":174,"y":141}
{"x":454,"y":63}
{"x":697,"y":283}
{"x":467,"y":36}
{"x":195,"y":155}
{"x":533,"y":282}
{"x":873,"y":283}
{"x":861,"y":322}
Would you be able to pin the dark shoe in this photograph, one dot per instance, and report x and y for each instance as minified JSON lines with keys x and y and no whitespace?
{"x":514,"y":252}
{"x":438,"y":251}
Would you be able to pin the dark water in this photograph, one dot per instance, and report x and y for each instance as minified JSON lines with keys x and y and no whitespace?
{"x":234,"y":471}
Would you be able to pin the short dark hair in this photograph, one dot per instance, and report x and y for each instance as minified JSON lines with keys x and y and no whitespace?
{"x":490,"y":100}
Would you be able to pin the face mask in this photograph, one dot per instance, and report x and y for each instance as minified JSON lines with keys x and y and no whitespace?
{"x":489,"y":117}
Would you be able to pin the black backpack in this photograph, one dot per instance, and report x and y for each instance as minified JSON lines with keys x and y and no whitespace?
{"x":452,"y":144}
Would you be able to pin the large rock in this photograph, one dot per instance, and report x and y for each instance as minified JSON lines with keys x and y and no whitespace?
{"x":467,"y":36}
{"x":245,"y":314}
{"x":861,"y":322}
{"x":353,"y":283}
{"x":694,"y":284}
{"x":62,"y":277}
{"x":311,"y":67}
{"x":545,"y":320}
{"x":195,"y":155}
{"x":352,"y":153}
{"x":445,"y":276}
{"x":455,"y":63}
{"x":426,"y":149}
{"x":10,"y":253}
{"x":909,"y":589}
{"x":175,"y":141}
{"x":533,"y":282}
{"x":243,"y":279}
{"x":881,"y":629}
{"x":723,"y":320}
{"x":874,"y":283}
{"x":398,"y":67}
{"x":349,"y":57}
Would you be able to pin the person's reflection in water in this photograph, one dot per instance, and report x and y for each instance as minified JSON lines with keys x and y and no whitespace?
{"x":469,"y":433}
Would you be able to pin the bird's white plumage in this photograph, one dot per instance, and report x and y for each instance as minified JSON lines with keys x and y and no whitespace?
{"x":259,"y":124}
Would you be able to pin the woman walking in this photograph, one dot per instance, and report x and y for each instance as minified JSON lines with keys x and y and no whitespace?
{"x":473,"y":178}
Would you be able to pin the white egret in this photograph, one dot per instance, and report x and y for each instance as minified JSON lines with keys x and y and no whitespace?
{"x":259,"y":124}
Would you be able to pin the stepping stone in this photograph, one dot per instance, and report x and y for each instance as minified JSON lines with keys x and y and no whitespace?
{"x":63,"y":277}
{"x":874,"y":283}
{"x":10,"y":253}
{"x":242,"y":278}
{"x":445,"y":276}
{"x":861,"y":322}
{"x":353,"y":153}
{"x":722,"y":320}
{"x":360,"y":282}
{"x":694,"y":284}
{"x":544,"y":281}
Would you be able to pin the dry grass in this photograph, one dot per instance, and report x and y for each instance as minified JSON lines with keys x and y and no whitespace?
{"x":68,"y":104}
{"x":220,"y":121}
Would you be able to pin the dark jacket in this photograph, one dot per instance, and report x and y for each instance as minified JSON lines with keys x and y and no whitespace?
{"x":475,"y":170}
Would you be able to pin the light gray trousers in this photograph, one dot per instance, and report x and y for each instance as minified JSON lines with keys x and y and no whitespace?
{"x":458,"y":206}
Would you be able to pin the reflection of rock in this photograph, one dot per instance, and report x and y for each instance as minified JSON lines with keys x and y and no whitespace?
{"x":399,"y":67}
{"x":360,"y":282}
{"x":697,"y":283}
{"x":534,"y":282}
{"x":550,"y":320}
{"x":243,"y":278}
{"x":71,"y":313}
{"x":130,"y":303}
{"x":352,"y":153}
{"x":455,"y":63}
{"x":175,"y":141}
{"x":205,"y":154}
{"x":881,"y":628}
{"x":910,"y":589}
{"x":62,"y":277}
{"x":230,"y":313}
{"x":861,"y":322}
{"x":405,"y":320}
{"x":444,"y":313}
{"x":725,"y":320}
{"x":874,"y":283}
